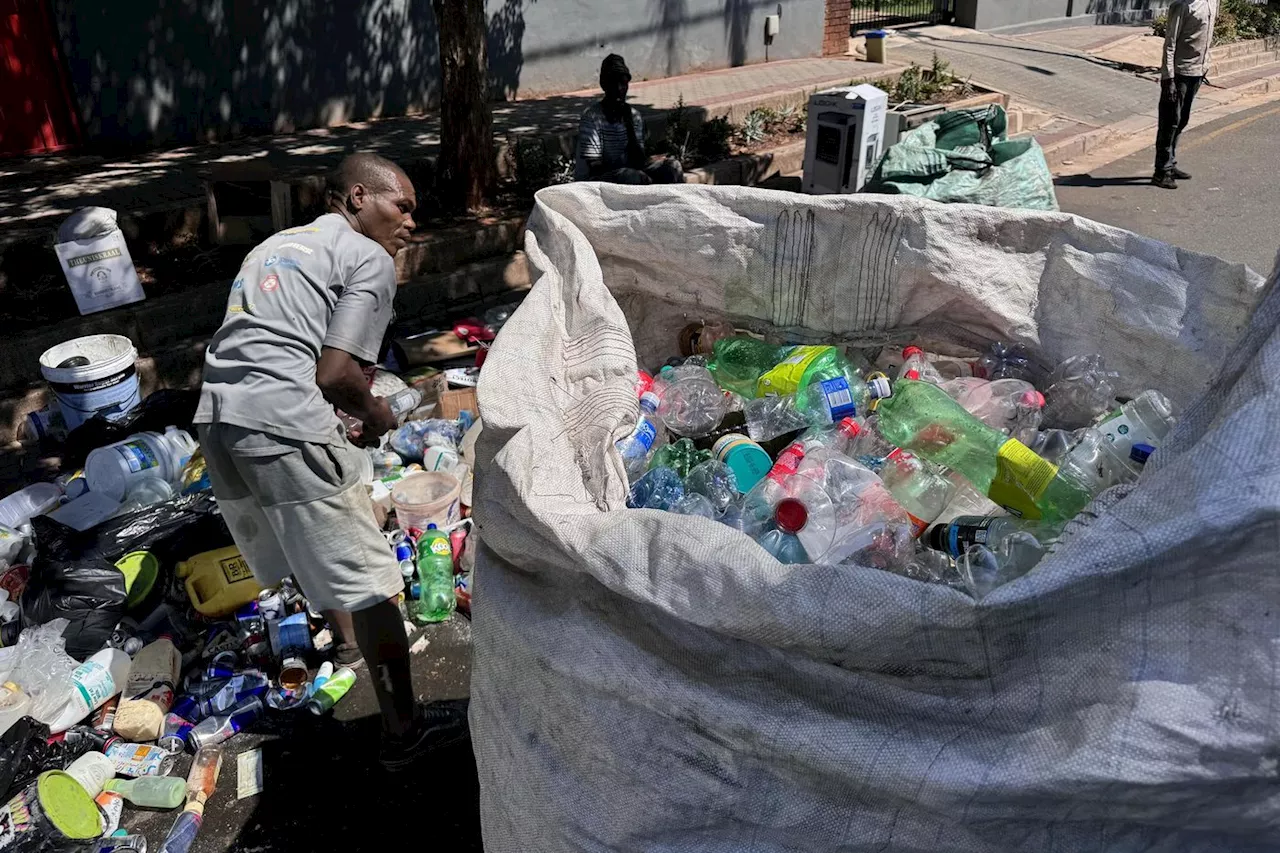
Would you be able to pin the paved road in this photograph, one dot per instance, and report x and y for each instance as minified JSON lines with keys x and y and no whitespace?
{"x":1228,"y":209}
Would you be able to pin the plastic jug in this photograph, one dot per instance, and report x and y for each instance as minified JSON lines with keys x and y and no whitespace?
{"x":116,"y":469}
{"x":219,"y":582}
{"x":93,"y":683}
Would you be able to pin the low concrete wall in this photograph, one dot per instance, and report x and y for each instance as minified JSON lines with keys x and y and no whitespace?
{"x":1043,"y":14}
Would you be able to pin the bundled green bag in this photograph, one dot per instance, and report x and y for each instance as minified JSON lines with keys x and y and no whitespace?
{"x":964,"y":156}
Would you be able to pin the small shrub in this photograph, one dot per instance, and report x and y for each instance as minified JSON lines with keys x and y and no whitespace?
{"x":754,"y":127}
{"x":713,"y":139}
{"x":1160,"y":26}
{"x":537,"y":168}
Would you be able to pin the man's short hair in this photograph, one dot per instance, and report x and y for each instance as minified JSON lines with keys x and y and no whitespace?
{"x":376,"y":173}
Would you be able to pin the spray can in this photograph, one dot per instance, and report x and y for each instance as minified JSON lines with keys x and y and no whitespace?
{"x":331,"y":691}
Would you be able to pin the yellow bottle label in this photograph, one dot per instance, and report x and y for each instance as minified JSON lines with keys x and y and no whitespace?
{"x":1021,"y":478}
{"x":785,"y":378}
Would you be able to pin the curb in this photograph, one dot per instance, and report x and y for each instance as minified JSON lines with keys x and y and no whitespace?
{"x":1091,"y":141}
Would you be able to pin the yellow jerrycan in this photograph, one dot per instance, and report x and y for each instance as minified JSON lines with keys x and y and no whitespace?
{"x":219,"y":582}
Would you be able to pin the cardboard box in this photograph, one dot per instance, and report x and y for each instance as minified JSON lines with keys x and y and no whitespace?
{"x":453,"y":402}
{"x":846,"y":138}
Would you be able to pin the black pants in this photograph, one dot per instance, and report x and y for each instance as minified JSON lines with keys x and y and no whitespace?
{"x":666,"y":171}
{"x":1175,"y":112}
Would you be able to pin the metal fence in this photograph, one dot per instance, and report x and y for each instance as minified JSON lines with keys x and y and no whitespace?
{"x":873,"y":14}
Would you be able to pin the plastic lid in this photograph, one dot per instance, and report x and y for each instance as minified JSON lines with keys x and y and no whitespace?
{"x":1034,"y":399}
{"x":432,"y":526}
{"x":790,"y":515}
{"x":650,"y":400}
{"x":910,"y":351}
{"x":68,"y":805}
{"x":850,"y":428}
{"x":877,"y":34}
{"x":879,"y":387}
{"x":1139,"y":453}
{"x":140,"y":569}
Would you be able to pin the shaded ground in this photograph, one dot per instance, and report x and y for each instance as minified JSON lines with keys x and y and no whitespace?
{"x":323,"y":788}
{"x":1227,"y":209}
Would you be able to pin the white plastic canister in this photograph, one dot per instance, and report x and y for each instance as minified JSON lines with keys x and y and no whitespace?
{"x":115,"y":469}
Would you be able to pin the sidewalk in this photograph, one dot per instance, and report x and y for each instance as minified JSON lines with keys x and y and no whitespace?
{"x":1083,"y":77}
{"x":36,"y":193}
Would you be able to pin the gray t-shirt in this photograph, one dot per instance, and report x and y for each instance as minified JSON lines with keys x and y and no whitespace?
{"x":320,"y":285}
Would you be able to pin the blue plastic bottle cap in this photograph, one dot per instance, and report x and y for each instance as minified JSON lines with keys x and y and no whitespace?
{"x":431,"y":526}
{"x":1139,"y":453}
{"x":877,"y":34}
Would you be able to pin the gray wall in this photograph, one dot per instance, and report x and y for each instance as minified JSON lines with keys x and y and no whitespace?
{"x":157,"y":72}
{"x":1002,"y":14}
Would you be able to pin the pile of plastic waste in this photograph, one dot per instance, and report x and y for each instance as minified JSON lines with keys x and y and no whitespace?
{"x":955,"y":471}
{"x":135,"y":639}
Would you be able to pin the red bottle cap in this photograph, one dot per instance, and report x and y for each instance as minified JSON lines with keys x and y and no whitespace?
{"x":850,"y":428}
{"x":910,"y":351}
{"x":790,"y":515}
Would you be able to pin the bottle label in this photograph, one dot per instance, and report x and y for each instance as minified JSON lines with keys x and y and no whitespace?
{"x":440,"y":546}
{"x":961,"y":536}
{"x":138,"y":456}
{"x":1021,"y":478}
{"x":94,"y":683}
{"x":785,"y":378}
{"x":134,"y":759}
{"x":1120,"y":429}
{"x":839,"y":398}
{"x":918,"y":526}
{"x":645,"y":435}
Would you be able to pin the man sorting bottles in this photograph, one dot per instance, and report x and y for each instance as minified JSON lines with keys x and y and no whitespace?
{"x":306,"y":313}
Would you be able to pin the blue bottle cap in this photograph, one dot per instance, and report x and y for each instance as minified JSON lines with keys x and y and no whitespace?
{"x":1139,"y":453}
{"x":431,"y":526}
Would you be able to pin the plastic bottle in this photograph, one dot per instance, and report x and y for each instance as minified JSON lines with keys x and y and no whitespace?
{"x":155,"y":792}
{"x":748,"y":461}
{"x":691,"y":402}
{"x":1078,"y":392}
{"x":404,"y":401}
{"x":714,"y":481}
{"x":639,"y":446}
{"x":92,"y":683}
{"x":92,"y":770}
{"x":149,"y":690}
{"x":737,"y":362}
{"x":782,"y":540}
{"x":984,"y":568}
{"x":680,"y":456}
{"x":333,"y":690}
{"x":922,"y":419}
{"x":871,"y":527}
{"x":113,"y":469}
{"x":435,"y":574}
{"x":916,"y":366}
{"x":202,"y":780}
{"x":694,"y":504}
{"x":659,"y":488}
{"x":963,"y":532}
{"x":921,"y":490}
{"x":769,"y":417}
{"x":803,"y":524}
{"x":1146,"y":419}
{"x":23,"y":505}
{"x":219,"y":728}
{"x":1097,"y":463}
{"x":1004,"y":361}
{"x":1010,"y":405}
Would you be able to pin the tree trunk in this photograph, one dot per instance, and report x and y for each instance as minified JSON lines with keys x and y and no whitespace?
{"x":466,"y":166}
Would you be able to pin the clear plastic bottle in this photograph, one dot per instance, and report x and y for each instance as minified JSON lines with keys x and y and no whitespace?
{"x":1010,"y":405}
{"x":916,"y":366}
{"x":923,"y":420}
{"x":1078,"y":392}
{"x":919,"y":487}
{"x":984,"y":568}
{"x":659,"y":488}
{"x":694,"y":504}
{"x":782,"y":540}
{"x":639,"y":446}
{"x":94,"y":682}
{"x":692,"y":404}
{"x":1146,"y":419}
{"x":153,"y":792}
{"x":963,"y":532}
{"x":220,"y":728}
{"x":803,"y":524}
{"x":714,"y":481}
{"x":1004,"y":361}
{"x":436,"y":602}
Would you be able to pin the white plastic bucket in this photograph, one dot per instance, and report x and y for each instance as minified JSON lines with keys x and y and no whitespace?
{"x":118,"y":468}
{"x":108,"y":383}
{"x":427,"y":497}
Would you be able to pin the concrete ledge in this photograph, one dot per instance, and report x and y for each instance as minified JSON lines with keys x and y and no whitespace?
{"x":748,"y":170}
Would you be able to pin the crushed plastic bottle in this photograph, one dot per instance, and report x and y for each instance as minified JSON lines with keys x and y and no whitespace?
{"x":957,"y":536}
{"x":1004,"y":361}
{"x":915,"y":365}
{"x":871,"y":528}
{"x":782,"y":540}
{"x":658,"y":489}
{"x":681,"y":456}
{"x":1010,"y":405}
{"x":714,"y":481}
{"x":738,"y":362}
{"x":983,"y":569}
{"x":1078,"y":392}
{"x":636,"y":448}
{"x":918,"y":486}
{"x":692,"y":503}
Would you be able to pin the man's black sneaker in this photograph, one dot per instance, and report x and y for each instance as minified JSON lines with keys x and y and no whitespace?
{"x":439,"y":724}
{"x":1164,"y":182}
{"x":347,"y":654}
{"x":1180,"y":175}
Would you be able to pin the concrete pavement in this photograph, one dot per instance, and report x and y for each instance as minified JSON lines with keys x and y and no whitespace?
{"x":1227,"y":209}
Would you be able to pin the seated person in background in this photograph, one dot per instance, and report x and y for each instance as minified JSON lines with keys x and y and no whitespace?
{"x":611,"y":137}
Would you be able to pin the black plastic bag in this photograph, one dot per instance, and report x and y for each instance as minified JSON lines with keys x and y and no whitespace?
{"x":25,"y":753}
{"x":164,"y":408}
{"x":74,"y":574}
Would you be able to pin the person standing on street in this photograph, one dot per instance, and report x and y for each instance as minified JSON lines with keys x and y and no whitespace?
{"x":1187,"y":39}
{"x":308,"y":309}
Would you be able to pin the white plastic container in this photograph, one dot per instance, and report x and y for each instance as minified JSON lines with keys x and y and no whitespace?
{"x":106,"y":381}
{"x":115,"y":469}
{"x":92,"y":683}
{"x":21,"y":506}
{"x":92,"y":770}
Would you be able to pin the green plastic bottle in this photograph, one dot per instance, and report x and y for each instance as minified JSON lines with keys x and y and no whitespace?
{"x":922,"y":418}
{"x":152,"y":792}
{"x":737,"y":363}
{"x":436,"y":601}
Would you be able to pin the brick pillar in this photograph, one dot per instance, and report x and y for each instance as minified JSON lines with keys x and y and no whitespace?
{"x":835,"y":33}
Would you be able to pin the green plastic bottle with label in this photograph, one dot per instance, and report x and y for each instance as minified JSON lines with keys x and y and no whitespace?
{"x":436,"y":601}
{"x":923,"y":419}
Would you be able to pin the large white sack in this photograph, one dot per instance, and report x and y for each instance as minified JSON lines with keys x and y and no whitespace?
{"x":647,"y":681}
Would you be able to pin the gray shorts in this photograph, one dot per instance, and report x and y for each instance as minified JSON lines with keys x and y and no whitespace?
{"x":299,"y":508}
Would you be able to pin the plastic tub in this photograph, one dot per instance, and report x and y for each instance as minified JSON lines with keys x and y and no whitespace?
{"x":117,"y":468}
{"x":91,"y":375}
{"x":428,"y":497}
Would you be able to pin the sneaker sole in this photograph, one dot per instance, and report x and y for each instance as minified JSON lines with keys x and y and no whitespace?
{"x":404,"y":762}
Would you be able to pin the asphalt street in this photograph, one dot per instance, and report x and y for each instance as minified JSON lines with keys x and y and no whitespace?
{"x":1228,"y":208}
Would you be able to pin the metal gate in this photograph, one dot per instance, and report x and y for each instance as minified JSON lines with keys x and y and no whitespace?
{"x":873,"y":14}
